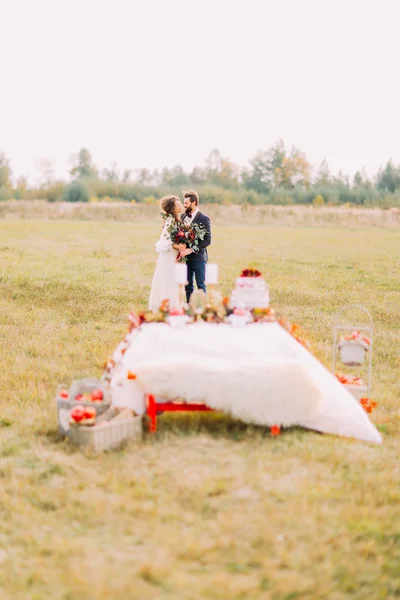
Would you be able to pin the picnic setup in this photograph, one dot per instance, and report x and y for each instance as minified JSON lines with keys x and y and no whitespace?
{"x":233,"y":355}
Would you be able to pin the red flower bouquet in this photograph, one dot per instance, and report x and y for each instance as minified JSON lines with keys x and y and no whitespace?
{"x":190,"y":235}
{"x":250,"y":273}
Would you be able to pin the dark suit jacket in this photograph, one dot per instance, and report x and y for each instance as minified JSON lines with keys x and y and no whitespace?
{"x":205,"y":222}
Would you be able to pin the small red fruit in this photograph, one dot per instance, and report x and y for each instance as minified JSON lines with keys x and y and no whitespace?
{"x":175,"y":312}
{"x":77,"y":413}
{"x":78,"y":398}
{"x":97,"y":395}
{"x":63,"y":394}
{"x":89,"y":412}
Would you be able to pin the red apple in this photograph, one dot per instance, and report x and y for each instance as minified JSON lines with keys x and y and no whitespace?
{"x":78,"y":398}
{"x":89,"y":412}
{"x":97,"y":395}
{"x":77,"y":413}
{"x":175,"y":312}
{"x":63,"y":394}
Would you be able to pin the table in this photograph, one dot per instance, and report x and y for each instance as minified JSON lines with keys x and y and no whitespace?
{"x":258,"y":373}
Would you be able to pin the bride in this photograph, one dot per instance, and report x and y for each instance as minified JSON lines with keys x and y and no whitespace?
{"x":164,"y":285}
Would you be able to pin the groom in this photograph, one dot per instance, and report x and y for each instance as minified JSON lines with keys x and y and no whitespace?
{"x":196,"y":261}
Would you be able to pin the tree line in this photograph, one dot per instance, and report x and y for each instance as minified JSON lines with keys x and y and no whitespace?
{"x":274,"y":176}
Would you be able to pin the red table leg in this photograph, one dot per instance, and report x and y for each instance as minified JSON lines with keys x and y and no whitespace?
{"x":152,"y":412}
{"x":153,"y":407}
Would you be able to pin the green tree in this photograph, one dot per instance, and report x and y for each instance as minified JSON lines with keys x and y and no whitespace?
{"x":341,"y":180}
{"x":111,"y":174}
{"x":357,"y":179}
{"x":276,"y":168}
{"x":296,"y":169}
{"x":83,"y":166}
{"x":221,"y":171}
{"x":77,"y":191}
{"x":126,"y":175}
{"x":323,"y":176}
{"x":5,"y":177}
{"x":5,"y":172}
{"x":198,"y":175}
{"x":144,"y":176}
{"x":174,"y":177}
{"x":258,"y":177}
{"x":388,"y":178}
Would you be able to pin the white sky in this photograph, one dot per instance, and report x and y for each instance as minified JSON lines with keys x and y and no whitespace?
{"x":159,"y":82}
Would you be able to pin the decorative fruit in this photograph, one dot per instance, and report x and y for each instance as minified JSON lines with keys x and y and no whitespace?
{"x":348,"y":379}
{"x":97,"y":395}
{"x":175,"y":312}
{"x":78,"y":413}
{"x":63,"y":394}
{"x":89,"y":412}
{"x":78,"y":398}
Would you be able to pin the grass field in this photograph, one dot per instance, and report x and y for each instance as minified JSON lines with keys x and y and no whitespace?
{"x":209,"y":508}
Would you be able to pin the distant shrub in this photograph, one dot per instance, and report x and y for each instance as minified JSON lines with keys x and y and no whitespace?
{"x":55,"y":192}
{"x":5,"y":193}
{"x":318,"y":200}
{"x":77,"y":191}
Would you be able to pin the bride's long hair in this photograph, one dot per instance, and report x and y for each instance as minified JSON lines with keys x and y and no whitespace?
{"x":169,"y":206}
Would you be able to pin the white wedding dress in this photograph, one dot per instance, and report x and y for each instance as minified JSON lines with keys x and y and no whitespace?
{"x":164,"y":284}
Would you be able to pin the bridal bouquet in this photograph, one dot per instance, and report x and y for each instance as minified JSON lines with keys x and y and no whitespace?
{"x":190,"y":235}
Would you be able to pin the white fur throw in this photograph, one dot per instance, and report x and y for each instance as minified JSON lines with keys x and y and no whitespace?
{"x":263,"y":390}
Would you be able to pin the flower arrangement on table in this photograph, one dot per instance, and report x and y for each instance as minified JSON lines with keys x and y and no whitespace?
{"x":349,"y":379}
{"x":190,"y":235}
{"x":250,"y":273}
{"x":353,"y":348}
{"x":355,"y":336}
{"x":211,"y":307}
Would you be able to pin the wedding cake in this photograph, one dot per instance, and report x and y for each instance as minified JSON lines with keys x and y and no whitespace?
{"x":251,"y":290}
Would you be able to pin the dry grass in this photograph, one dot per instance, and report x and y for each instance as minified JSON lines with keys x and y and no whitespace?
{"x":230,"y":215}
{"x":210,"y":508}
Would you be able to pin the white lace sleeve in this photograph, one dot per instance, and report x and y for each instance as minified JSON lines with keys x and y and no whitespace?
{"x":164,"y":243}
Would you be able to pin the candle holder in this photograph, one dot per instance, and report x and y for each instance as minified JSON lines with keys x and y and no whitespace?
{"x":212,"y":275}
{"x":182,"y":294}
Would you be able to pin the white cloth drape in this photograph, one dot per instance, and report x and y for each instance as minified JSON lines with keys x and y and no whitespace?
{"x":235,"y":369}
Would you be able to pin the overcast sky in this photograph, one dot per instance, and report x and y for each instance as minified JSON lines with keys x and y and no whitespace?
{"x":159,"y":82}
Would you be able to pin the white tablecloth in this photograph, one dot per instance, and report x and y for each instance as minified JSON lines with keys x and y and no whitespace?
{"x":166,"y":357}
